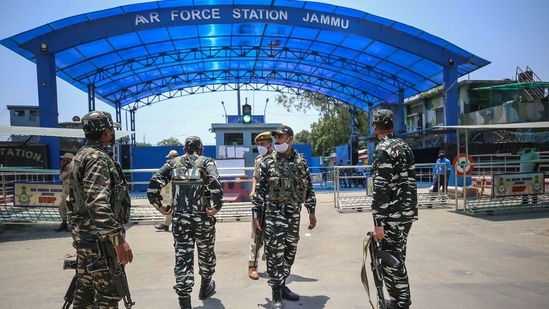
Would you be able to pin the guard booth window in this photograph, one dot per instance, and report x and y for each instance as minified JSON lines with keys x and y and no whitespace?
{"x":234,"y":139}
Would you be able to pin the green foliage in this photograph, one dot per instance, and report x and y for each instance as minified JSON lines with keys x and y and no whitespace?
{"x":334,"y":125}
{"x":170,"y":142}
{"x":142,"y":144}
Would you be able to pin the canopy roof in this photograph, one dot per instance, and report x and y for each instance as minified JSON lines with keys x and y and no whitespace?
{"x":516,"y":86}
{"x":500,"y":126}
{"x":139,"y":54}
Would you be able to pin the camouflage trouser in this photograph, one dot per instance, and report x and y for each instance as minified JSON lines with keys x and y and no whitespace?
{"x":253,"y":261}
{"x":95,"y":290}
{"x":281,"y":237}
{"x":396,"y":279}
{"x":188,"y":229}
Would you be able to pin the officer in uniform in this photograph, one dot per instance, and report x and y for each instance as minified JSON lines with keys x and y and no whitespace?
{"x":165,"y":226}
{"x":99,"y":206}
{"x":284,"y":185}
{"x":195,"y":187}
{"x":264,"y":142}
{"x":394,"y":205}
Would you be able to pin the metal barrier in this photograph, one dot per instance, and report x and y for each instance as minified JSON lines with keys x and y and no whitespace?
{"x":236,"y":207}
{"x":485,"y":202}
{"x":354,"y":196}
{"x":489,"y":205}
{"x":352,"y":191}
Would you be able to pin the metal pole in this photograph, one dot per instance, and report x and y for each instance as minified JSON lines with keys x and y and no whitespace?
{"x":225,"y":110}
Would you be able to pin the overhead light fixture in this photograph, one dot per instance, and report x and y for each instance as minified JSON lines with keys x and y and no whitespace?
{"x":44,"y":47}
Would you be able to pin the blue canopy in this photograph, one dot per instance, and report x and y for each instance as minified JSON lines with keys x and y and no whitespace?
{"x":135,"y":55}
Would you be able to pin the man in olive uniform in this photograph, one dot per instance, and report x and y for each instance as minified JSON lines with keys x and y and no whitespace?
{"x":264,"y":142}
{"x":284,"y":185}
{"x":165,"y":226}
{"x":195,"y":187}
{"x":99,"y":206}
{"x":394,"y":205}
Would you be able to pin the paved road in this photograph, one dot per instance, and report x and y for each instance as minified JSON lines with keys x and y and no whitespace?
{"x":454,"y":261}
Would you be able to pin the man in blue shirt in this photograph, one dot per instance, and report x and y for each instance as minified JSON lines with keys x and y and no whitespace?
{"x":442,"y":169}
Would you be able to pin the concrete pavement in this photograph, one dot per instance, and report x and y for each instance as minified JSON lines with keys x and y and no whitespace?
{"x":454,"y":261}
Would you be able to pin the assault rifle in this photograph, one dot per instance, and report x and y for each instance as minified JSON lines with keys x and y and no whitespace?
{"x":69,"y":263}
{"x":378,"y":259}
{"x":258,"y":237}
{"x":107,"y":261}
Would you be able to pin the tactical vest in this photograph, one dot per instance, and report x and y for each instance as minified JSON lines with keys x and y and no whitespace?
{"x":188,"y":184}
{"x":288,"y":181}
{"x":120,"y":199}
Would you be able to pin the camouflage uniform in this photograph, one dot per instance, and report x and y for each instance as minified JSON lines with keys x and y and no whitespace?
{"x":394,"y":207}
{"x":252,"y":258}
{"x":190,"y":223}
{"x":97,"y":192}
{"x":284,"y":184}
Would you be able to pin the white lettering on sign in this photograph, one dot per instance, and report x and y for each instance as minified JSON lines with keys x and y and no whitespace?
{"x":142,"y":19}
{"x":205,"y":14}
{"x":260,"y":14}
{"x":23,"y":153}
{"x":242,"y":13}
{"x":326,"y":20}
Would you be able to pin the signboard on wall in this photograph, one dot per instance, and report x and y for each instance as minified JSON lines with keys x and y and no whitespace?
{"x":517,"y":184}
{"x":24,"y":156}
{"x":37,"y":195}
{"x":231,"y":167}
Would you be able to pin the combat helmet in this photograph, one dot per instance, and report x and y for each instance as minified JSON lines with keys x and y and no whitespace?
{"x":383,"y":116}
{"x":193,"y":142}
{"x":96,"y":121}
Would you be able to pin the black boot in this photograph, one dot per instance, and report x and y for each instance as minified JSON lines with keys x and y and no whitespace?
{"x":207,"y":288}
{"x":288,"y":294}
{"x":276,"y":301}
{"x":185,"y":302}
{"x":64,"y":227}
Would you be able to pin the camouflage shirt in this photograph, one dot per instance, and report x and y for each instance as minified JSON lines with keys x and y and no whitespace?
{"x":284,"y":184}
{"x":257,"y":165}
{"x":92,"y":195}
{"x":394,"y":188}
{"x":208,"y":169}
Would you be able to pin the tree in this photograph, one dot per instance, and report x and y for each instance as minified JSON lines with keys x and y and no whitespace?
{"x":333,"y":127}
{"x":142,"y":144}
{"x":170,"y":142}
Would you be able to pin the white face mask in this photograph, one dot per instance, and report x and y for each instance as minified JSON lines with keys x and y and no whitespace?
{"x":282,"y":147}
{"x":262,"y":150}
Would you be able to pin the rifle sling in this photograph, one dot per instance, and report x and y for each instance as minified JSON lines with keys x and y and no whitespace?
{"x":363,"y":274}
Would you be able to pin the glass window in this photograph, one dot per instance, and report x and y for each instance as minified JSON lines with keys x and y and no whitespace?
{"x":234,"y":139}
{"x":440,"y":116}
{"x":19,"y":113}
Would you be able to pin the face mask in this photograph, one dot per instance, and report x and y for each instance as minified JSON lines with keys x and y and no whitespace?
{"x":262,"y":150}
{"x":113,"y":138}
{"x":281,"y":147}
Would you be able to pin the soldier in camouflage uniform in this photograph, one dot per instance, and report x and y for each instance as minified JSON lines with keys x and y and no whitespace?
{"x":394,"y":205}
{"x":264,"y":143}
{"x":195,"y":187}
{"x":99,"y":206}
{"x":284,"y":185}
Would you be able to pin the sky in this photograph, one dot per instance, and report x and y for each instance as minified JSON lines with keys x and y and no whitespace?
{"x":509,"y":33}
